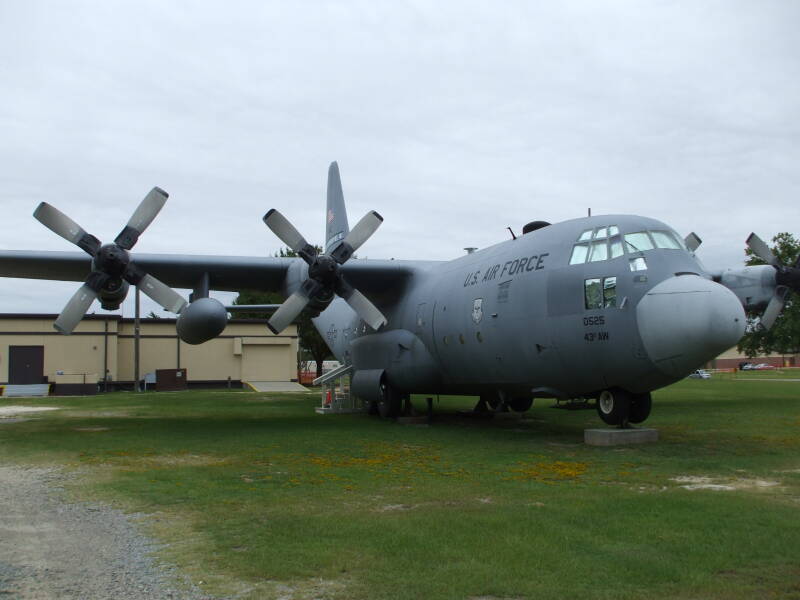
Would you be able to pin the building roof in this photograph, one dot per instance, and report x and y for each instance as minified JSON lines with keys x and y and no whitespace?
{"x":112,"y":317}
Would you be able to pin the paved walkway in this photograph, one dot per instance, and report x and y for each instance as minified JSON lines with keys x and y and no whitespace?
{"x":276,"y":386}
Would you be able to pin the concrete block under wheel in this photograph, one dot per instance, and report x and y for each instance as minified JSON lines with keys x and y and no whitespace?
{"x":618,"y":437}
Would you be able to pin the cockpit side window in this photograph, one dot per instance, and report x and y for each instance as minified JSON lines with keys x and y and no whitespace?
{"x":600,"y":293}
{"x":609,"y":292}
{"x":593,"y":294}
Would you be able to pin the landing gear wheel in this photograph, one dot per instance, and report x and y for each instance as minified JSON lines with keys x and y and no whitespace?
{"x":614,"y":407}
{"x":520,"y":404}
{"x":640,"y":407}
{"x":390,"y":404}
{"x":372,"y":408}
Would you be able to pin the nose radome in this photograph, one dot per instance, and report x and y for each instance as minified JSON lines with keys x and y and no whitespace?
{"x":686,"y":321}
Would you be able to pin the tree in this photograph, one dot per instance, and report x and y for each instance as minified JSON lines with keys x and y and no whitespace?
{"x":312,"y":345}
{"x":784,"y":336}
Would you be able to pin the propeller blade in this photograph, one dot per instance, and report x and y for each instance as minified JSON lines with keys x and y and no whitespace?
{"x":286,"y":232}
{"x":761,"y":250}
{"x":62,"y":225}
{"x":774,"y":307}
{"x":292,"y":307}
{"x":692,"y":241}
{"x":75,"y":309}
{"x":362,"y":231}
{"x":144,"y":214}
{"x":361,"y":304}
{"x":162,"y":293}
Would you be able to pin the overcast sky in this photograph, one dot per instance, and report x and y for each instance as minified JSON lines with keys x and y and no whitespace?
{"x":453,"y":120}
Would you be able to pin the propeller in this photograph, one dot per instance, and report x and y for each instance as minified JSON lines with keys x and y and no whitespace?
{"x":324,"y":276}
{"x":787,"y":279}
{"x":112,"y":267}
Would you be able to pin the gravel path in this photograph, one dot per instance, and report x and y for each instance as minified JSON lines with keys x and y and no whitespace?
{"x":50,"y":548}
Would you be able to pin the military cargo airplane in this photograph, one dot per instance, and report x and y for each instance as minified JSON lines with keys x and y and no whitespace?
{"x":609,"y":307}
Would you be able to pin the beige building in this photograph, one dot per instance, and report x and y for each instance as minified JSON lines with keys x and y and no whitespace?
{"x":731,"y":359}
{"x":31,"y":351}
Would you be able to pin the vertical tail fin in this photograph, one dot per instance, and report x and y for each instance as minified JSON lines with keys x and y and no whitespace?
{"x":336,"y":216}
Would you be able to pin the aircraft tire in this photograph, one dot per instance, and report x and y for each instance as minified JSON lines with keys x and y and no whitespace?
{"x":613,"y":406}
{"x":640,"y":408}
{"x":521,"y":404}
{"x":390,"y":403}
{"x":372,"y":408}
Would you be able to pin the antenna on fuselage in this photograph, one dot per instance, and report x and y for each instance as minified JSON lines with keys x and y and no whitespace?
{"x":590,"y":211}
{"x":511,"y":231}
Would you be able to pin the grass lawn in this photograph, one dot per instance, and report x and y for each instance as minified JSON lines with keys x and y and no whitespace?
{"x":256,"y":495}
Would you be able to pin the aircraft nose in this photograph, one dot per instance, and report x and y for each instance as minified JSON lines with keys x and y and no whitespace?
{"x":686,"y":321}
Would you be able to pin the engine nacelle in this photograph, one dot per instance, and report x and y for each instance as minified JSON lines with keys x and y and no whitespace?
{"x":202,"y":320}
{"x":113,"y":293}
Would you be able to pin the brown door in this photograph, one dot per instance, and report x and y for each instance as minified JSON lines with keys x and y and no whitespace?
{"x":25,"y":364}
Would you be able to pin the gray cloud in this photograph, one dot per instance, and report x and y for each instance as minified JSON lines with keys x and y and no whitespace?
{"x":453,"y":120}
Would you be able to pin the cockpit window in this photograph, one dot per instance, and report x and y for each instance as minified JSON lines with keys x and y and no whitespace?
{"x":594,"y":245}
{"x":579,"y":253}
{"x":606,"y":243}
{"x":599,"y":251}
{"x":638,"y":242}
{"x":616,"y":247}
{"x":664,"y":239}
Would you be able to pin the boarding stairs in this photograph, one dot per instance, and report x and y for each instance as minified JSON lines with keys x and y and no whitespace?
{"x":335,"y":389}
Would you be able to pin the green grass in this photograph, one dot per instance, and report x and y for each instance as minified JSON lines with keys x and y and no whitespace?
{"x":258,"y":495}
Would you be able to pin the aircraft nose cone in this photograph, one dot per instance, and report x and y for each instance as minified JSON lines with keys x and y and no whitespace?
{"x":686,"y":321}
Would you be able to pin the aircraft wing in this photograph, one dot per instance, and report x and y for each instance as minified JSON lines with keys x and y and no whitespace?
{"x":226,"y":273}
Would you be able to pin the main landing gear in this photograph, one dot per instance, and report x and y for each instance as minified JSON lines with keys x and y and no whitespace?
{"x":618,"y":407}
{"x":497,"y":402}
{"x":391,"y":403}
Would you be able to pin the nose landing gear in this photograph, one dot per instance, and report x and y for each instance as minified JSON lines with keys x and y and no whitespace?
{"x":616,"y":406}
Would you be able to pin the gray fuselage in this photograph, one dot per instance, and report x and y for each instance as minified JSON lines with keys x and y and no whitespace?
{"x":519,"y":318}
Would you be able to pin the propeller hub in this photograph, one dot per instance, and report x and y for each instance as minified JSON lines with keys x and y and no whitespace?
{"x":112,"y":260}
{"x":324,"y":269}
{"x":788,"y":276}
